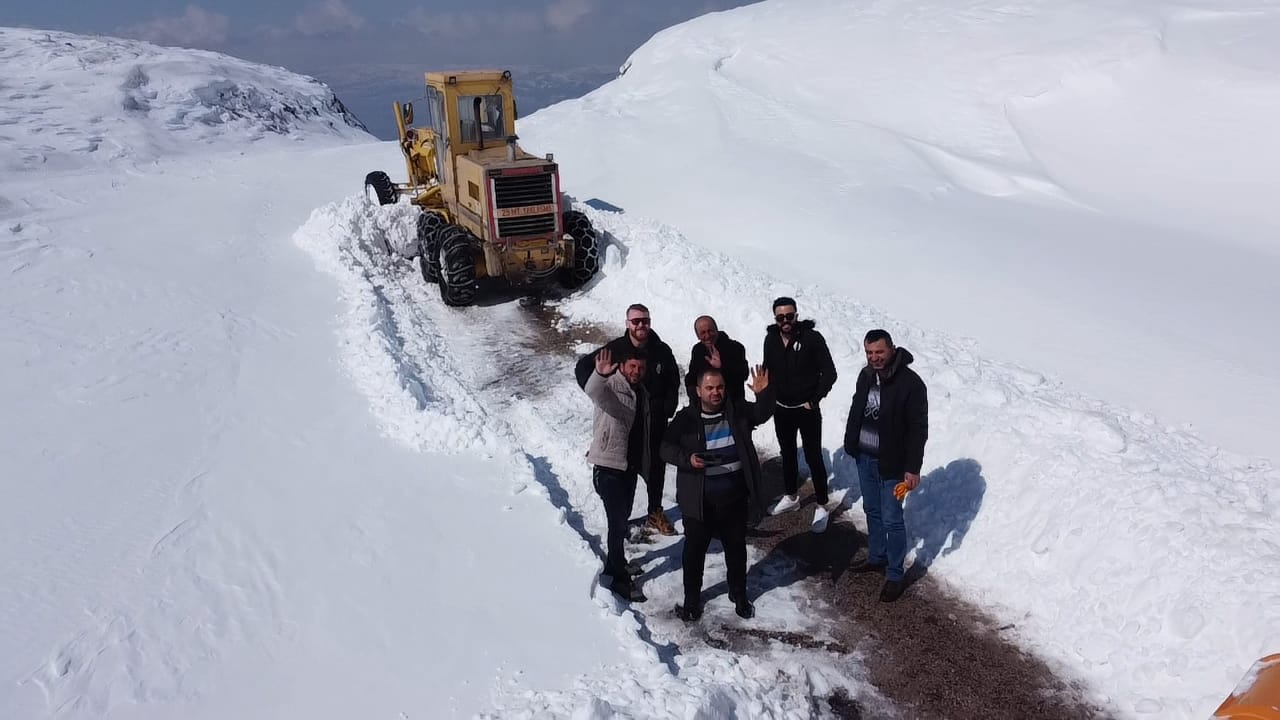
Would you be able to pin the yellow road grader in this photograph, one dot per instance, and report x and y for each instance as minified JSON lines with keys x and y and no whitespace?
{"x":489,"y":209}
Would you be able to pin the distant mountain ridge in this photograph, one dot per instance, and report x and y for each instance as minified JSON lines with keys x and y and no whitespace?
{"x":369,"y":90}
{"x":71,"y":99}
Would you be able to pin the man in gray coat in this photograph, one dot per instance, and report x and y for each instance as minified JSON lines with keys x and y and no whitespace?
{"x":619,"y":452}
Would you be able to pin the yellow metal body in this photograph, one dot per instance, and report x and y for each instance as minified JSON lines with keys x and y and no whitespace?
{"x":1258,"y":696}
{"x":448,"y":162}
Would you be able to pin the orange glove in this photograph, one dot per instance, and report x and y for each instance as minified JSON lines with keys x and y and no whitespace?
{"x":900,"y":491}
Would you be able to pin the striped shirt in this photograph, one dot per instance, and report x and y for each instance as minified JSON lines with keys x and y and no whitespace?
{"x":724,"y":476}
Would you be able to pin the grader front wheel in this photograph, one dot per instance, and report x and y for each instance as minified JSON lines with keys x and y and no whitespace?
{"x":378,"y":186}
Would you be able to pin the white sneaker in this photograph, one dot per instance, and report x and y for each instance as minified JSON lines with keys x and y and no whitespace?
{"x":788,"y":502}
{"x":819,"y":519}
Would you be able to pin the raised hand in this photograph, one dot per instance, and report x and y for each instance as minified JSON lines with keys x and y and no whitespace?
{"x":759,"y":379}
{"x":604,"y":362}
{"x":714,"y":358}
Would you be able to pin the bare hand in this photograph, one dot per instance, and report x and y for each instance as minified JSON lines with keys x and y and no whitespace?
{"x":696,"y":462}
{"x":807,"y":406}
{"x":759,"y":379}
{"x":912,"y":480}
{"x":714,"y":359}
{"x":604,"y":362}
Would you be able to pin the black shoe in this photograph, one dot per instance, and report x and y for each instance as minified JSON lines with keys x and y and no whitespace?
{"x":629,"y":592}
{"x":634,"y":568}
{"x":862,"y":566}
{"x":742,"y":606}
{"x":689,"y":612}
{"x":892,"y":590}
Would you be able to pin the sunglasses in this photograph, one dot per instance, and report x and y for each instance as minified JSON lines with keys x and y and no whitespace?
{"x":785,"y":317}
{"x":639,"y":321}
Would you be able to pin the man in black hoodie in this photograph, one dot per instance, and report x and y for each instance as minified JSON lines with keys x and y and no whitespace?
{"x":885,"y":434}
{"x":802,"y":373}
{"x":716,"y":350}
{"x":662,"y":380}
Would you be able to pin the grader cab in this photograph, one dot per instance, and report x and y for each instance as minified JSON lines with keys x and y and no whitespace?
{"x":489,"y":209}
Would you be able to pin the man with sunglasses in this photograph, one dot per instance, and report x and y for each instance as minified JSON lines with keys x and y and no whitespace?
{"x":802,"y":373}
{"x":662,"y":380}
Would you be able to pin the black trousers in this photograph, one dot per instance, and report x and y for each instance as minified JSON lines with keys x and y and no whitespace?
{"x":657,"y":466}
{"x":726,"y":519}
{"x":617,"y":490}
{"x":786,"y":422}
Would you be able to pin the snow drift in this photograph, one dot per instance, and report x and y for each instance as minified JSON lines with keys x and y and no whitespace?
{"x":238,"y":483}
{"x":1084,"y":187}
{"x":1065,"y":210}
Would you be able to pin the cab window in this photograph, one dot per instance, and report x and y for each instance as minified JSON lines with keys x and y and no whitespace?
{"x":492,"y":121}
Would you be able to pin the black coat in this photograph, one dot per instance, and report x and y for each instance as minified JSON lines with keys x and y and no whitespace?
{"x":686,"y":436}
{"x":802,"y":372}
{"x":904,"y":417}
{"x":733,"y":364}
{"x":662,"y":378}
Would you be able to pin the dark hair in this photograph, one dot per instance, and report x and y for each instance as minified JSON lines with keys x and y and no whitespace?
{"x":784,"y":300}
{"x":876,"y":336}
{"x":709,"y":371}
{"x":637,"y":306}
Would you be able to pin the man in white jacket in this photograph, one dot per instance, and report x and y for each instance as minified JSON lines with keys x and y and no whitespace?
{"x":619,"y":452}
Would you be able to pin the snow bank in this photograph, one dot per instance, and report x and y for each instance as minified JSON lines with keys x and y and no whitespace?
{"x":72,"y":100}
{"x":1108,"y":541}
{"x":1127,"y":553}
{"x":1083,"y":187}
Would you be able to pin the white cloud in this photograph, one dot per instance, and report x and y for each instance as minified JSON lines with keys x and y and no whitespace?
{"x":564,"y":14}
{"x":329,"y":16}
{"x":196,"y":27}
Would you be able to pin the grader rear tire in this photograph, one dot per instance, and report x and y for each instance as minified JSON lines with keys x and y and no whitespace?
{"x":429,"y":226}
{"x":457,"y":266}
{"x":585,"y":262}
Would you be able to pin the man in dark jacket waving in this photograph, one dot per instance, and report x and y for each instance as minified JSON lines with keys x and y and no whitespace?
{"x":715,"y":349}
{"x":662,"y":380}
{"x":802,"y":373}
{"x":717,"y":481}
{"x":886,"y":433}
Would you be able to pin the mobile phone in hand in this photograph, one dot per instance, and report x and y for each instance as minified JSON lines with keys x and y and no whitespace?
{"x":711,"y":458}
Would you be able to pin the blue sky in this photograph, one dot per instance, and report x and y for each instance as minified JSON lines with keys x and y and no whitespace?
{"x":368,"y":51}
{"x":551,"y":33}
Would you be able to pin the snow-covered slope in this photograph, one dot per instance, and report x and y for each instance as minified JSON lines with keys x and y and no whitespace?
{"x":254,"y":468}
{"x":201,"y":517}
{"x":72,"y":99}
{"x":1066,"y":211}
{"x":1084,"y":187}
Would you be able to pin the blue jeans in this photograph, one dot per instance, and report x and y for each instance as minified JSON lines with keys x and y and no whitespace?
{"x":886,"y":529}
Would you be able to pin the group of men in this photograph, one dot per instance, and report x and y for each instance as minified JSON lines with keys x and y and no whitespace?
{"x":638,"y":429}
